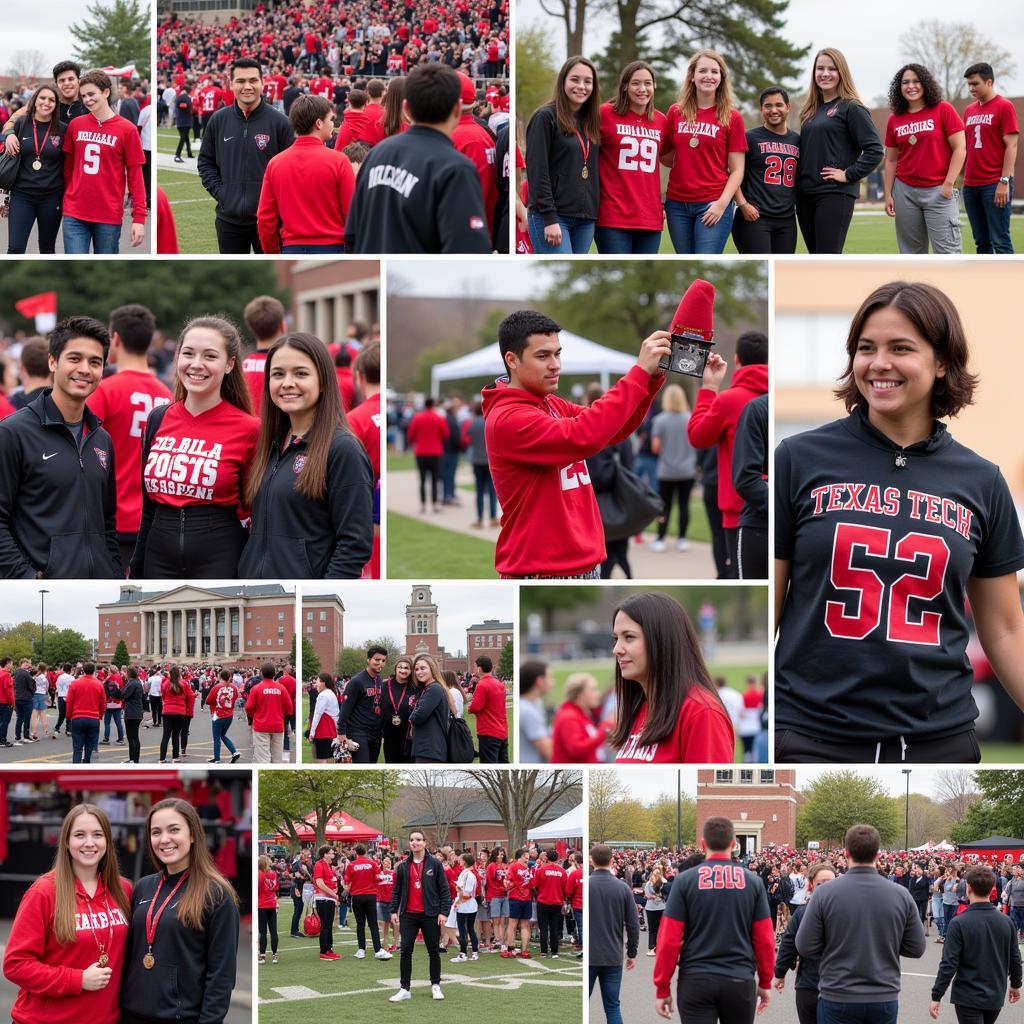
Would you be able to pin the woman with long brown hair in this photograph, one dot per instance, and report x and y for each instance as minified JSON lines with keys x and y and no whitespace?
{"x":397,"y":701}
{"x":430,"y":717}
{"x":196,"y":456}
{"x":183,"y":943}
{"x":311,"y":484}
{"x":562,"y":143}
{"x":61,"y":970}
{"x":174,"y":697}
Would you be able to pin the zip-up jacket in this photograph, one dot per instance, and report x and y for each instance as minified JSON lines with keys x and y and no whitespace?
{"x":292,"y":535}
{"x":429,"y":720}
{"x":437,"y":896}
{"x":841,"y":134}
{"x":24,"y":684}
{"x":195,"y":969}
{"x":234,"y":156}
{"x":132,"y":694}
{"x":58,"y":503}
{"x":612,"y":912}
{"x":979,"y":955}
{"x":786,"y":959}
{"x":555,"y":167}
{"x":750,"y":463}
{"x":361,"y":714}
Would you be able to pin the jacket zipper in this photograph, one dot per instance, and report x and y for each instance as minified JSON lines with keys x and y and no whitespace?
{"x":181,"y":535}
{"x":85,"y":504}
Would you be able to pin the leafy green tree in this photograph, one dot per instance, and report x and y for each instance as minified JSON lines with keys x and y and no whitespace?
{"x":505,"y":662}
{"x":427,"y":359}
{"x":121,"y":653}
{"x":629,"y":819}
{"x":310,"y":659}
{"x":19,"y":641}
{"x":1000,"y":811}
{"x":536,"y":69}
{"x":65,"y":645}
{"x":606,"y":790}
{"x":350,"y":661}
{"x":546,"y":601}
{"x":112,"y":34}
{"x":839,"y":799}
{"x":664,"y":823}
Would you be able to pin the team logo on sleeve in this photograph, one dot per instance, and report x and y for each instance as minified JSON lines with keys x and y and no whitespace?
{"x":262,"y":141}
{"x":297,"y":463}
{"x":56,"y":141}
{"x":476,"y":223}
{"x":102,"y":456}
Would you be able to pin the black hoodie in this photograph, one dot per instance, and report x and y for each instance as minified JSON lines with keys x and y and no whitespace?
{"x":882,"y":540}
{"x":56,"y":520}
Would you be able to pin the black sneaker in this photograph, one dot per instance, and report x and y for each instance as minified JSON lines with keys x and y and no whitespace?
{"x":235,"y":757}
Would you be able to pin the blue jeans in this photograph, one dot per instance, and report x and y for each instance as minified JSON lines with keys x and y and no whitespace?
{"x":627,"y":240}
{"x":1016,"y":913}
{"x":112,"y":715}
{"x":484,"y":489}
{"x":646,"y":467}
{"x":610,"y":979}
{"x":990,"y":224}
{"x":857,"y":1013}
{"x":577,"y":916}
{"x":577,"y":235}
{"x":311,"y":250}
{"x":449,"y":464}
{"x":6,"y":710}
{"x":23,"y":719}
{"x":689,"y":234}
{"x":85,"y":737}
{"x":220,"y":735}
{"x":79,"y":234}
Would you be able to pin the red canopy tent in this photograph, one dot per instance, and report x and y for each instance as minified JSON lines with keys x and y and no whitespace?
{"x":995,"y":850}
{"x":340,"y":826}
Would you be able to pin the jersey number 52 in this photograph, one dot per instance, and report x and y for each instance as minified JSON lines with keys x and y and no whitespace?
{"x":861,"y":614}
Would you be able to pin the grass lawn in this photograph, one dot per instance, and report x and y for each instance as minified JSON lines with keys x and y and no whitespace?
{"x":191,"y":204}
{"x":398,"y":461}
{"x":999,"y":753}
{"x":414,"y":548}
{"x":299,"y":987}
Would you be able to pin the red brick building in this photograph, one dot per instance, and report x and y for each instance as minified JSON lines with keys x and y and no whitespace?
{"x":240,"y":626}
{"x":760,"y":802}
{"x":323,"y":624}
{"x":489,"y":638}
{"x":421,"y":634}
{"x":329,"y":295}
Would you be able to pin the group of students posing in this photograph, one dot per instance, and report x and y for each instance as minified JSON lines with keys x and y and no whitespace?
{"x":164,"y":482}
{"x":594,"y":169}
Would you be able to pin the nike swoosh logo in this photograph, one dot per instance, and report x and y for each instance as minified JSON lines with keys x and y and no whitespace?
{"x":50,"y":456}
{"x":143,"y":902}
{"x":229,"y":138}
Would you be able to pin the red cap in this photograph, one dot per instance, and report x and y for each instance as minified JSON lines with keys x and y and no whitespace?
{"x":468,"y":90}
{"x":696,"y":311}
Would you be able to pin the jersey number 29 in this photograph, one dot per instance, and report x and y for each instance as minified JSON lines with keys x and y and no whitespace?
{"x":638,"y":155}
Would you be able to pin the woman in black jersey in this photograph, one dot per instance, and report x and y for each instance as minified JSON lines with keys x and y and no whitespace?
{"x":310,"y":485}
{"x":885,"y":527}
{"x":39,"y":187}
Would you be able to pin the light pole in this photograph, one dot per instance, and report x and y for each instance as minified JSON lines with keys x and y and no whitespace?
{"x":906,"y":823}
{"x":42,"y":622}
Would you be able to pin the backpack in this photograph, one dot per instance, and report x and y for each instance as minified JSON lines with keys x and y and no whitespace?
{"x":460,"y":741}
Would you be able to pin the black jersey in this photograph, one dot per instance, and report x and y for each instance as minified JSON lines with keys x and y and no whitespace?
{"x":415,"y":193}
{"x":882,"y":540}
{"x":361,"y":707}
{"x":769,"y":175}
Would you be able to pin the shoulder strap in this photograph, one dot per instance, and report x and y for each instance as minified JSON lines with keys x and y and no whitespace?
{"x":153,"y":421}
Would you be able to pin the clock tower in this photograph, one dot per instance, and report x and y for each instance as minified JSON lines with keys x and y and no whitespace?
{"x":421,"y":623}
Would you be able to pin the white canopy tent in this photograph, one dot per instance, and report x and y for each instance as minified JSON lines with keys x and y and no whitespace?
{"x":579,"y":356}
{"x":568,"y":826}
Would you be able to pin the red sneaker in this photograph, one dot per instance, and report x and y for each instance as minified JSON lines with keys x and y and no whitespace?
{"x":525,"y":955}
{"x":507,"y":954}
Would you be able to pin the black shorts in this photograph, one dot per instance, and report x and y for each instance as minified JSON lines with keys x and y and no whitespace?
{"x":793,"y":747}
{"x":322,"y":749}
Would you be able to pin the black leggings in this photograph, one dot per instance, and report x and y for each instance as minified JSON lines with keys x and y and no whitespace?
{"x":325,"y":911}
{"x":668,"y":488}
{"x":26,"y":210}
{"x":549,"y":923}
{"x":824,"y":220}
{"x":408,"y":926}
{"x":364,"y":907}
{"x":204,"y":543}
{"x":710,"y":998}
{"x":764,"y":235}
{"x":718,"y":545}
{"x":131,"y":728}
{"x":969,"y":1015}
{"x":753,"y":554}
{"x":617,"y":555}
{"x":428,"y":465}
{"x":184,"y":140}
{"x":806,"y":1005}
{"x":467,"y":932}
{"x":653,"y":923}
{"x":62,"y":708}
{"x":172,"y":732}
{"x":184,"y":733}
{"x":267,"y":918}
{"x":394,"y":745}
{"x":155,"y":706}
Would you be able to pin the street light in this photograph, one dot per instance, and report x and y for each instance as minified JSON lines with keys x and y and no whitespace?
{"x":42,"y":622}
{"x":906,"y":833}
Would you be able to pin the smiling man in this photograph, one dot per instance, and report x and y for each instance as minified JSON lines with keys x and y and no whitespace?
{"x":538,"y":445}
{"x":57,"y":491}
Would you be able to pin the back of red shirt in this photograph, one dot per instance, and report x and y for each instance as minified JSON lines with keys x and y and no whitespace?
{"x":427,"y":433}
{"x":268,"y":705}
{"x":474,"y":141}
{"x":361,"y":876}
{"x":549,"y":880}
{"x":253,"y":366}
{"x":364,"y":420}
{"x":488,"y":705}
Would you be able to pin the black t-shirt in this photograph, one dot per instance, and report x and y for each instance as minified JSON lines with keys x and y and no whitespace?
{"x":50,"y":137}
{"x":770,"y":172}
{"x":882,"y":540}
{"x":361,"y":707}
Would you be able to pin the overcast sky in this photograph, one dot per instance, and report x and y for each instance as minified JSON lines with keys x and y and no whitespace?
{"x":39,"y":26}
{"x":868,"y":34}
{"x":518,"y":279}
{"x":379,"y":610}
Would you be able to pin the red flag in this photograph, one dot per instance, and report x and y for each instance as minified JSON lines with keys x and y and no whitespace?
{"x":33,"y":305}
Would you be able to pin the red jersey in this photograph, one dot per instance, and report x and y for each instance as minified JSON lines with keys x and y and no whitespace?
{"x":268,"y":705}
{"x":48,"y":973}
{"x":488,"y":704}
{"x":123,"y":402}
{"x":346,"y":385}
{"x":986,"y":124}
{"x":428,"y":431}
{"x":222,"y":699}
{"x":414,"y":903}
{"x":518,"y":881}
{"x":266,"y":890}
{"x":574,"y":888}
{"x":253,"y":366}
{"x":474,"y":141}
{"x":361,"y":876}
{"x":703,"y":735}
{"x":575,"y":739}
{"x":86,"y":699}
{"x":323,"y":872}
{"x":274,"y":87}
{"x":209,"y":99}
{"x":359,"y":126}
{"x":452,"y":874}
{"x":629,"y":172}
{"x":700,"y":172}
{"x":364,"y":420}
{"x":176,"y":703}
{"x":549,"y":881}
{"x":166,"y":234}
{"x":322,"y":86}
{"x":538,"y":447}
{"x":6,"y":409}
{"x":202,"y":459}
{"x":922,"y":140}
{"x":496,"y":875}
{"x":385,"y":885}
{"x":99,"y":159}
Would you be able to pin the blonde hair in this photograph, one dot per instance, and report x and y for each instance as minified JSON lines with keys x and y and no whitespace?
{"x":673,"y":399}
{"x":435,"y":677}
{"x":724,"y":101}
{"x":846,"y":90}
{"x":263,"y":863}
{"x":576,"y":684}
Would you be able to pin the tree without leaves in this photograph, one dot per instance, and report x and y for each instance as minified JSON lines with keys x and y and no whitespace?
{"x":839,"y":799}
{"x":114,"y":34}
{"x":929,"y":820}
{"x":27,"y":64}
{"x":523,"y":798}
{"x":956,"y":792}
{"x":606,"y":789}
{"x":443,"y":800}
{"x":573,"y":15}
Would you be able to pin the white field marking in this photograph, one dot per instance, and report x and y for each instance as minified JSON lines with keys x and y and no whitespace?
{"x":183,"y":202}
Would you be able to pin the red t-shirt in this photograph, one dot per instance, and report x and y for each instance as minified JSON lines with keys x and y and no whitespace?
{"x":268,"y":704}
{"x":322,"y":86}
{"x":325,"y":873}
{"x":123,"y":401}
{"x":488,"y":704}
{"x":518,"y":881}
{"x":922,"y":139}
{"x":414,"y":904}
{"x":204,"y":459}
{"x":346,"y":385}
{"x":385,"y":885}
{"x":700,"y":172}
{"x":208,"y":99}
{"x":496,"y":874}
{"x":474,"y":141}
{"x":629,"y":171}
{"x":253,"y":366}
{"x":361,"y":876}
{"x":175,"y":703}
{"x":452,"y":874}
{"x":986,"y":124}
{"x":364,"y":420}
{"x":266,"y":890}
{"x":99,"y":160}
{"x":703,"y":735}
{"x":221,"y":700}
{"x":550,"y":881}
{"x":428,"y":432}
{"x":166,"y":234}
{"x":574,"y":888}
{"x":86,"y":699}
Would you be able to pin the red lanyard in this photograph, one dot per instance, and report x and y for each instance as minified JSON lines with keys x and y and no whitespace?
{"x":104,"y":958}
{"x":391,"y":696}
{"x":151,"y":922}
{"x":585,"y":147}
{"x":35,"y":137}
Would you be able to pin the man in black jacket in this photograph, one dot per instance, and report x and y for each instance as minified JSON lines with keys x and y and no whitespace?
{"x":24,"y":689}
{"x":360,"y":718}
{"x":750,"y":478}
{"x":420,"y":901}
{"x":980,"y":953}
{"x":237,"y":146}
{"x":55,"y":520}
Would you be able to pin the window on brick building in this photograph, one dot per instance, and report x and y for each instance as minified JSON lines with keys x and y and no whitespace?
{"x":323,"y":616}
{"x":723,"y":775}
{"x":747,"y":776}
{"x":766,"y":776}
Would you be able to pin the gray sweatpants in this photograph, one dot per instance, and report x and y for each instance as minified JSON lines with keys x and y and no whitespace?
{"x":925,"y":215}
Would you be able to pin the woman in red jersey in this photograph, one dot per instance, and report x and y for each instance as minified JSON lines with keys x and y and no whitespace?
{"x":222,"y":701}
{"x":266,"y":909}
{"x":196,"y":457}
{"x":705,"y":143}
{"x":630,"y":214}
{"x":66,"y":950}
{"x":575,"y":737}
{"x":925,"y":150}
{"x":668,"y":707}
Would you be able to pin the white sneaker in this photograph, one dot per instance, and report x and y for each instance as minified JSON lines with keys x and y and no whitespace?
{"x":435,"y":991}
{"x":382,"y":954}
{"x":657,"y":545}
{"x":474,"y":956}
{"x":682,"y":544}
{"x":554,"y":956}
{"x":460,"y":959}
{"x":360,"y":954}
{"x":400,"y":996}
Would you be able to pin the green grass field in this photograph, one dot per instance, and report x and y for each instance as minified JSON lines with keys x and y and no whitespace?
{"x":299,"y":986}
{"x":191,"y":204}
{"x":1000,"y":753}
{"x":417,"y":549}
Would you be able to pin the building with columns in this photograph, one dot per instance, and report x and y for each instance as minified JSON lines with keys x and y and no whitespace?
{"x":240,"y":626}
{"x":329,"y":295}
{"x":487,"y":638}
{"x":323,"y":625}
{"x":760,"y":802}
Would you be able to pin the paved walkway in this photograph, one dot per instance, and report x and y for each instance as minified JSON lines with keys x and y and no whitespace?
{"x":32,"y":249}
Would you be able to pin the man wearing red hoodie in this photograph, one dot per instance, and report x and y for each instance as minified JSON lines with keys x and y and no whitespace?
{"x":488,"y":705}
{"x":86,"y":705}
{"x":714,"y":418}
{"x":538,"y":445}
{"x":358,"y":125}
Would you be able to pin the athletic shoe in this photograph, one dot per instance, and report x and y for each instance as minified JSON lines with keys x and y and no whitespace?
{"x":297,"y":935}
{"x":393,"y":948}
{"x":657,"y":545}
{"x":261,"y":959}
{"x":400,"y":996}
{"x":274,"y":959}
{"x":382,"y":954}
{"x":179,"y":160}
{"x":53,"y":737}
{"x":507,"y":954}
{"x":360,"y":954}
{"x":436,"y":993}
{"x":213,"y":760}
{"x":474,"y":956}
{"x":121,"y":742}
{"x":682,"y":544}
{"x":554,"y":956}
{"x":235,"y":757}
{"x":328,"y":956}
{"x":17,"y":743}
{"x":579,"y":955}
{"x":524,"y":955}
{"x":460,"y":959}
{"x":543,"y":955}
{"x":651,"y":952}
{"x":334,"y":956}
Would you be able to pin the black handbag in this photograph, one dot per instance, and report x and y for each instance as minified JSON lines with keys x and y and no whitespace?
{"x":9,"y":167}
{"x":629,"y":505}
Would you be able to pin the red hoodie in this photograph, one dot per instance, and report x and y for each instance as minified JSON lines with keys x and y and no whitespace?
{"x":49,"y":973}
{"x":537,"y":447}
{"x":175,"y":703}
{"x":574,"y":888}
{"x":268,"y":705}
{"x":6,"y":687}
{"x":86,"y":699}
{"x":575,"y":738}
{"x":713,"y":421}
{"x":488,"y":704}
{"x":428,"y":431}
{"x":359,"y":126}
{"x":549,"y":880}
